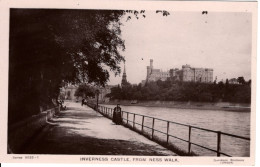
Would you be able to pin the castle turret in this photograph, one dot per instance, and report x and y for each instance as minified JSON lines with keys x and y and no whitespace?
{"x":151,"y":64}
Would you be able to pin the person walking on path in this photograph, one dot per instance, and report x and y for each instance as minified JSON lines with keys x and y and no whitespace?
{"x":117,"y":117}
{"x":83,"y":102}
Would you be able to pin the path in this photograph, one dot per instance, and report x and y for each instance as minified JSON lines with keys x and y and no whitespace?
{"x":81,"y":130}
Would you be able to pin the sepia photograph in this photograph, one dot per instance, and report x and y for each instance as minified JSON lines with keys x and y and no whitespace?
{"x":131,"y":85}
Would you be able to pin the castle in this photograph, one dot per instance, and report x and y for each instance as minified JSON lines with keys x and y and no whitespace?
{"x":186,"y":74}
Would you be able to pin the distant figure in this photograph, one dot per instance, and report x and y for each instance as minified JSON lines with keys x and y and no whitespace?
{"x":60,"y":103}
{"x":117,"y":117}
{"x":204,"y":12}
{"x":82,"y":102}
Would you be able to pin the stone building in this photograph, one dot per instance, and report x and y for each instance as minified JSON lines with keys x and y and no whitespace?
{"x":196,"y":74}
{"x":69,"y":92}
{"x":186,"y":74}
{"x":156,"y":74}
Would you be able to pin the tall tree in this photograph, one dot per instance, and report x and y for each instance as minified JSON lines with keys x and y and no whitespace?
{"x":51,"y":47}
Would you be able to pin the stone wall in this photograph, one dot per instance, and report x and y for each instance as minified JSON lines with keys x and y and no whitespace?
{"x":21,"y":133}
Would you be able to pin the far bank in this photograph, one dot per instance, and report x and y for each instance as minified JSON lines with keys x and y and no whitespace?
{"x":227,"y":106}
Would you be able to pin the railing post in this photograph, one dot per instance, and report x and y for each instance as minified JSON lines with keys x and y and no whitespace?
{"x":127,"y":119}
{"x":189,"y":147}
{"x":134,"y":121}
{"x":219,"y":144}
{"x":168,"y":124}
{"x":143,"y":124}
{"x":153,"y":128}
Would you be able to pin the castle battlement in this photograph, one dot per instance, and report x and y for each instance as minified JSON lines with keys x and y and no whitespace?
{"x":186,"y":74}
{"x":186,"y":66}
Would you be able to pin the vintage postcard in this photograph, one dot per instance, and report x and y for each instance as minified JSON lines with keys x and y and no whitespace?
{"x":128,"y":82}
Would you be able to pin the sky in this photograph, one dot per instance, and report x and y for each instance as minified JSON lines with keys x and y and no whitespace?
{"x":217,"y":40}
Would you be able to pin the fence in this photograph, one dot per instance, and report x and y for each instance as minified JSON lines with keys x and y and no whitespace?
{"x":130,"y":120}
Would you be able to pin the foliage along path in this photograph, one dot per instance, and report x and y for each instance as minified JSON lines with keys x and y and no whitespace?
{"x":81,"y":130}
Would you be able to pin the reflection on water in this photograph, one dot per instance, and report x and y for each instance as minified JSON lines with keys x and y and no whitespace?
{"x":237,"y":123}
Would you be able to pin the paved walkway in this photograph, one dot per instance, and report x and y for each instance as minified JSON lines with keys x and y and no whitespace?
{"x":81,"y":130}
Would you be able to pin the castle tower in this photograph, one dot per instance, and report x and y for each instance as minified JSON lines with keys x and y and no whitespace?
{"x":149,"y":70}
{"x":148,"y":73}
{"x":124,"y":81}
{"x":151,"y":64}
{"x":185,"y":71}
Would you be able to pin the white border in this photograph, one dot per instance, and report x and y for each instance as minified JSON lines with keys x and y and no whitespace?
{"x":138,"y":5}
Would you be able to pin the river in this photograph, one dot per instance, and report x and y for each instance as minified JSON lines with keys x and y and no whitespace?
{"x":237,"y":123}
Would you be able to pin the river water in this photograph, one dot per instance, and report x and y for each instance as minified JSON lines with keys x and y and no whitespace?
{"x":237,"y":123}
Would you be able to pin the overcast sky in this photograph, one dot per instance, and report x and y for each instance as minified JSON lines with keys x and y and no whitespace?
{"x":221,"y":41}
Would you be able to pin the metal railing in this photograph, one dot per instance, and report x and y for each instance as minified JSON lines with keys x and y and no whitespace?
{"x":108,"y":112}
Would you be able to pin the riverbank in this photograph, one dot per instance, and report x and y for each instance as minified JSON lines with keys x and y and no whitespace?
{"x":226,"y":106}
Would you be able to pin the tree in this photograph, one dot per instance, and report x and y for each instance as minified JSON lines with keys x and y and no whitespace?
{"x":249,"y":82}
{"x":85,"y":91}
{"x":51,"y":47}
{"x":115,"y":93}
{"x":227,"y":82}
{"x":241,"y":80}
